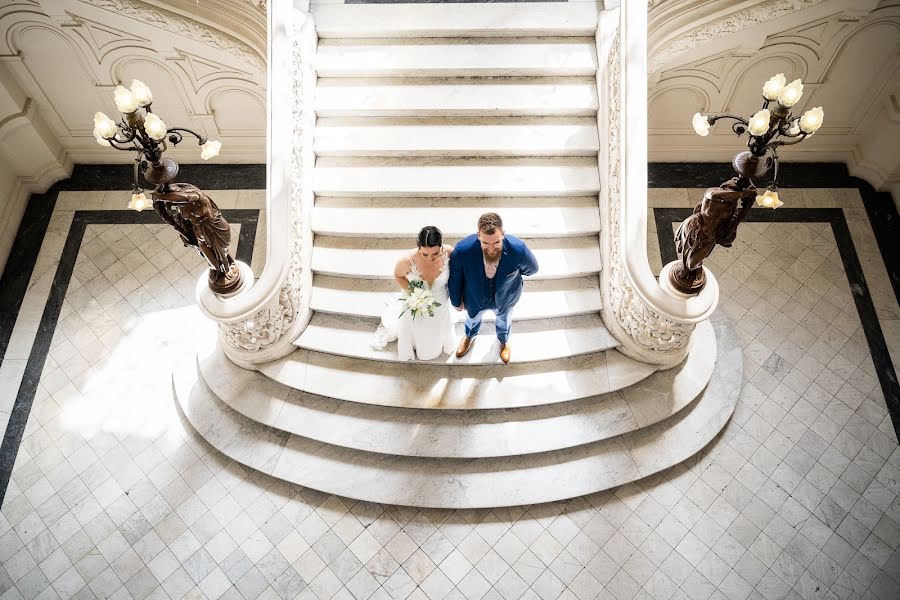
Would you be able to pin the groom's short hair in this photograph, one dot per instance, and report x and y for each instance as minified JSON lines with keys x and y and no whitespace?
{"x":489,"y":223}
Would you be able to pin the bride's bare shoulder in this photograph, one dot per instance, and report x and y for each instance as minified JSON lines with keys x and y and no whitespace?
{"x":404,"y":263}
{"x":448,"y":249}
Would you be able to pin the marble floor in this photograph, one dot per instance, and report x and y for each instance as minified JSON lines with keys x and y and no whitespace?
{"x":112,"y":495}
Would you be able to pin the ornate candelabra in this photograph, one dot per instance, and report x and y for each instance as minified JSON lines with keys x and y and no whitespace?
{"x":189,"y":210}
{"x":717,"y":216}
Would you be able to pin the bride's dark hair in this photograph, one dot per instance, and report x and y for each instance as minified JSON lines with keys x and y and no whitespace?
{"x":429,"y":237}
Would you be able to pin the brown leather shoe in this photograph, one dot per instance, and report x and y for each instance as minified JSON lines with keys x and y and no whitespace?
{"x":505,"y":351}
{"x":464,"y":345}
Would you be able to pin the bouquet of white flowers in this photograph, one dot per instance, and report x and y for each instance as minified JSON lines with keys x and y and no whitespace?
{"x":418,"y":299}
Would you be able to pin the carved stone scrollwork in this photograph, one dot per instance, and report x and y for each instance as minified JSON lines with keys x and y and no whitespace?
{"x":652,"y":332}
{"x":264,"y":328}
{"x":182,"y":26}
{"x":284,"y":312}
{"x":724,"y":26}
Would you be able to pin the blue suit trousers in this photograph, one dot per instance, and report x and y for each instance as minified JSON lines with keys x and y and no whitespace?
{"x":504,"y":321}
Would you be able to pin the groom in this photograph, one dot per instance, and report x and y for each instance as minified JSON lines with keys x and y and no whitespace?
{"x":486,"y":274}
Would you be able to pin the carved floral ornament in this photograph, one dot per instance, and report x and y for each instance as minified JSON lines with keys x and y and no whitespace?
{"x":646,"y":327}
{"x":184,"y":27}
{"x":267,"y":325}
{"x":721,"y":27}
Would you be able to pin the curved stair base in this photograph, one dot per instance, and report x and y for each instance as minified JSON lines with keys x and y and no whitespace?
{"x":479,"y":482}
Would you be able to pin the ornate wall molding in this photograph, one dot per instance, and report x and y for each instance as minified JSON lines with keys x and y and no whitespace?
{"x":649,"y":333}
{"x":723,"y":26}
{"x":265,"y":328}
{"x":260,"y":324}
{"x":183,"y":26}
{"x":652,"y":325}
{"x":822,"y":49}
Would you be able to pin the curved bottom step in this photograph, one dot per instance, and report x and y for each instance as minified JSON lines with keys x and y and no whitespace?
{"x":472,"y":482}
{"x":461,"y":433}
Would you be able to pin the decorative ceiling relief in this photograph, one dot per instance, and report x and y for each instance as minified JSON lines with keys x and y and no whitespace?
{"x":849,"y":63}
{"x":185,"y":27}
{"x":202,"y":71}
{"x":102,"y":39}
{"x":68,"y":55}
{"x":723,"y":26}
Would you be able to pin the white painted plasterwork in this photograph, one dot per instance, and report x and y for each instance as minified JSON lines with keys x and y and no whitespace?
{"x":61,"y":59}
{"x":259,"y":324}
{"x":183,"y":26}
{"x":680,"y":27}
{"x":848,"y":55}
{"x":652,"y":325}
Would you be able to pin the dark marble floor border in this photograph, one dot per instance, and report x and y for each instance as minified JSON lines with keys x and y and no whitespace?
{"x":93,"y":178}
{"x":26,"y":247}
{"x":18,"y":419}
{"x":881,"y":357}
{"x":879,"y":205}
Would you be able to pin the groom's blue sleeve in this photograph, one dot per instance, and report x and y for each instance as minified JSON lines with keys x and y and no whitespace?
{"x":455,"y":283}
{"x":529,"y":264}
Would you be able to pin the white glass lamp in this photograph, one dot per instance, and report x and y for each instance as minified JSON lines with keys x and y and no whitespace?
{"x":104,"y":127}
{"x":126,"y":103}
{"x":769,"y":199}
{"x":141,"y":92}
{"x":812,"y":120}
{"x":155,"y":127}
{"x":139,"y":201}
{"x":701,"y":124}
{"x":772,"y":88}
{"x":791,"y":94}
{"x":210,"y":149}
{"x":759,"y":123}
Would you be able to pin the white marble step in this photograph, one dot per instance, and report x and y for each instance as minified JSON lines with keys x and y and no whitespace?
{"x":531,"y":341}
{"x":442,"y":386}
{"x":464,"y":483}
{"x":533,"y":218}
{"x":470,"y":97}
{"x":457,"y":57}
{"x":461,"y":434}
{"x":566,"y":176}
{"x":558,"y":258}
{"x":456,"y":136}
{"x":541,"y":299}
{"x":455,"y":20}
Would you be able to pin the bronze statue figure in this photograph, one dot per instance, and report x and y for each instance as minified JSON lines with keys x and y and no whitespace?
{"x":715,"y":221}
{"x":201,"y":225}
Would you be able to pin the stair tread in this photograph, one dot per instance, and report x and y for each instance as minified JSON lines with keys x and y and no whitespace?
{"x":460,"y":434}
{"x":455,"y":221}
{"x":455,"y":20}
{"x":541,"y":298}
{"x":464,"y":483}
{"x":538,"y":96}
{"x":437,"y":386}
{"x":559,"y":258}
{"x":535,"y":340}
{"x":522,"y":136}
{"x":458,"y":57}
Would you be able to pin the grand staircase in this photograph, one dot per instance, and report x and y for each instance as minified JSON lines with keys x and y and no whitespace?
{"x":434,"y":120}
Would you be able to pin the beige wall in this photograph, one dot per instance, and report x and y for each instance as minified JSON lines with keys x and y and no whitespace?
{"x":61,"y":59}
{"x":846,"y":52}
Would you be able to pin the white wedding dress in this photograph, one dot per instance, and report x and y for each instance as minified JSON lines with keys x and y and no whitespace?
{"x":423,"y":337}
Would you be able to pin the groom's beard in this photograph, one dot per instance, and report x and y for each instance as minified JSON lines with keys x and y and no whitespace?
{"x":491,"y":255}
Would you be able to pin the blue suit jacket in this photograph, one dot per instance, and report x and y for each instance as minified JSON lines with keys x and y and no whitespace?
{"x":469,"y":283}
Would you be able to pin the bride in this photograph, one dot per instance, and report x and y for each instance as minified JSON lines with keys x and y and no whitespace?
{"x":424,"y":337}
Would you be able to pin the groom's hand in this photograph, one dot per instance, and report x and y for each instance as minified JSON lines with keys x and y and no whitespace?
{"x":462,"y":306}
